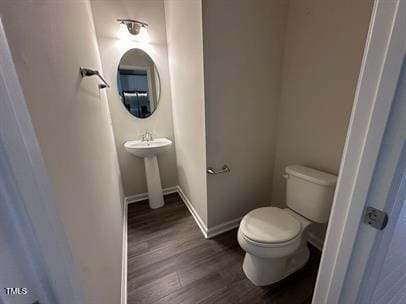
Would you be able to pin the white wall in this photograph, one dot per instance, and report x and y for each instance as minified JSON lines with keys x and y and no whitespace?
{"x":243,"y":49}
{"x":49,"y":42}
{"x":184,"y":33}
{"x":323,"y":53}
{"x":127,"y":127}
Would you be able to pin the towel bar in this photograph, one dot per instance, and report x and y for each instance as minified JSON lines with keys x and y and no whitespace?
{"x":88,"y":72}
{"x":224,"y":169}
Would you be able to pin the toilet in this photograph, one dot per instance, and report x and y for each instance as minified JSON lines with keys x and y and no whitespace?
{"x":274,"y":239}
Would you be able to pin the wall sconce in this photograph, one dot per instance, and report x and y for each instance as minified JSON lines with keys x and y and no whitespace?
{"x":134,"y":30}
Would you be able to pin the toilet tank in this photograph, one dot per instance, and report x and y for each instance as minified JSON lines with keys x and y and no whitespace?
{"x":310,"y":192}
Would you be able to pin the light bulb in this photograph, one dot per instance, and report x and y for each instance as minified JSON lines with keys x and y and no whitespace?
{"x":143,"y":35}
{"x":123,"y":31}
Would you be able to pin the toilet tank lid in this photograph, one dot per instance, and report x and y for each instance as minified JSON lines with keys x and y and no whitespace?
{"x":312,"y":175}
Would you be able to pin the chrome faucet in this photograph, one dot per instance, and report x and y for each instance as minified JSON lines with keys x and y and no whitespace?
{"x":147,"y":136}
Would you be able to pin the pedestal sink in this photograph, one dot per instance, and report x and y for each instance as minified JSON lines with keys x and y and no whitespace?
{"x":149,"y":151}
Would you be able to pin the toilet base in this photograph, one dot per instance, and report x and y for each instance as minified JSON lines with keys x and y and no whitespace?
{"x":266,"y":271}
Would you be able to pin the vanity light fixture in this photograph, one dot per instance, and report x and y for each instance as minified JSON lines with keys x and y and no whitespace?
{"x":133,"y":29}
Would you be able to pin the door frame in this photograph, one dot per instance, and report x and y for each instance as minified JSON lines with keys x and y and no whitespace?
{"x":380,"y":70}
{"x":28,"y":167}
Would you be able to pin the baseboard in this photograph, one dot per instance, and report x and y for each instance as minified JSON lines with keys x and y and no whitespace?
{"x":143,"y":196}
{"x":124,"y":256}
{"x":219,"y":229}
{"x":192,"y":210}
{"x":315,"y":241}
{"x":207,"y":232}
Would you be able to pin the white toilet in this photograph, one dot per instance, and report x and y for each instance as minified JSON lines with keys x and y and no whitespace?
{"x":275,"y":239}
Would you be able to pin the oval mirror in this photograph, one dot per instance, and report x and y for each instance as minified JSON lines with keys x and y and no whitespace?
{"x":138,"y":83}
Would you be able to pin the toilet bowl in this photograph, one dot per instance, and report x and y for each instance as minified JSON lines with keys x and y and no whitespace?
{"x":274,"y":248}
{"x":275,"y":239}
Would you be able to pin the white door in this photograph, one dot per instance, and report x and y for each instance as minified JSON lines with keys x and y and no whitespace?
{"x":22,"y":276}
{"x":361,"y":264}
{"x":377,"y":269}
{"x":36,"y":264}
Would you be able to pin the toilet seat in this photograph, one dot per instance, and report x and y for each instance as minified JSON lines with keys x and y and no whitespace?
{"x":270,"y":227}
{"x":269,"y":245}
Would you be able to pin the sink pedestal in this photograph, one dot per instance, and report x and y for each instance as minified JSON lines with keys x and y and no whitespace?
{"x":149,"y":150}
{"x":155,"y":195}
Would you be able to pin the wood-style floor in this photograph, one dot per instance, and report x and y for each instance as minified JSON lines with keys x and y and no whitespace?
{"x":169,"y":261}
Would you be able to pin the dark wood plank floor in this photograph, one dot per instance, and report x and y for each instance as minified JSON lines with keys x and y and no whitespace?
{"x":169,"y":261}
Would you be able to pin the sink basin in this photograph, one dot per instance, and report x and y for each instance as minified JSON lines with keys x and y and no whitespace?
{"x":147,"y":148}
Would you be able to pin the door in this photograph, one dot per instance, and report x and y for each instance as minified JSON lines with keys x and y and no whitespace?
{"x":354,"y":253}
{"x":22,"y":277}
{"x":36,"y":264}
{"x":377,"y":269}
{"x":385,"y":281}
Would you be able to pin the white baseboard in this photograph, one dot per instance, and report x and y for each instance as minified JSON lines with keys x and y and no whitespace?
{"x":124,"y":256}
{"x":130,"y":200}
{"x":143,"y":196}
{"x":219,"y":229}
{"x":192,"y":210}
{"x":208,"y":232}
{"x":315,"y":241}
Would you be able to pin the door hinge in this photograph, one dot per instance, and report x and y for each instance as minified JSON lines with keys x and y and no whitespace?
{"x":376,"y":218}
